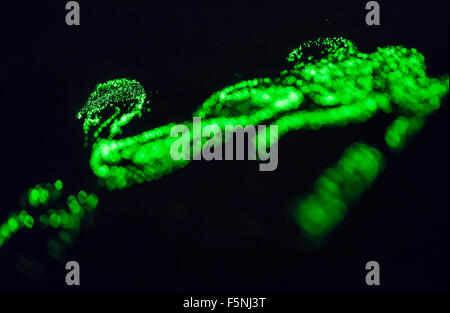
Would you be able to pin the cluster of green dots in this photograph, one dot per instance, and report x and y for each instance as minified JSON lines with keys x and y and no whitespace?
{"x":37,"y":197}
{"x":43,"y":194}
{"x":67,"y":221}
{"x":70,"y":219}
{"x":320,"y":48}
{"x":123,"y":98}
{"x":340,"y":86}
{"x":319,"y":213}
{"x":66,"y":218}
{"x":13,"y":224}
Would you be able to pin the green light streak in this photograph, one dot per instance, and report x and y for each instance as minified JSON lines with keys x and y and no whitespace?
{"x":339,"y":186}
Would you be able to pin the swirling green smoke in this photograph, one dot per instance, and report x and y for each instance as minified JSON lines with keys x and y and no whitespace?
{"x":329,"y":83}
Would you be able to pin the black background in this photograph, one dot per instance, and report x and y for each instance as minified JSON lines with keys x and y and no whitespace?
{"x":215,"y":226}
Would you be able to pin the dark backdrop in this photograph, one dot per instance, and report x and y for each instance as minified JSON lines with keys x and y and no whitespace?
{"x":215,"y":226}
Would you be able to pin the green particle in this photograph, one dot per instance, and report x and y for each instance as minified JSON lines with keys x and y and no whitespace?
{"x":43,"y":196}
{"x":54,"y":220}
{"x":75,"y":208}
{"x":13,"y":225}
{"x":82,"y":196}
{"x":28,"y":221}
{"x":34,"y":197}
{"x":5,"y":231}
{"x":58,"y":185}
{"x":92,"y":201}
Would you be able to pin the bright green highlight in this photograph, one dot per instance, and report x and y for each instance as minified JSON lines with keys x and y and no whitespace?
{"x":44,"y":194}
{"x":59,"y":185}
{"x":123,"y":99}
{"x":13,"y":224}
{"x":319,"y":213}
